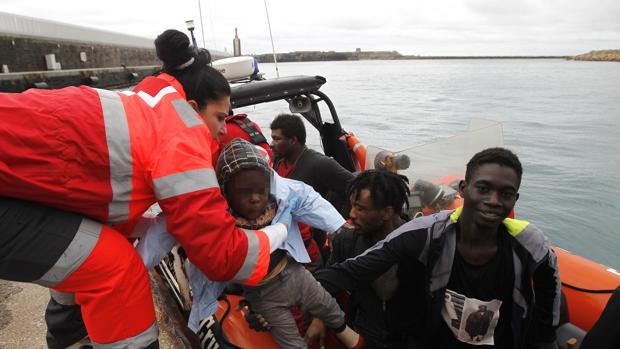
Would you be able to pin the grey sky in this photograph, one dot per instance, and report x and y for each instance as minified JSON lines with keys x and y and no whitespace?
{"x":440,"y":27}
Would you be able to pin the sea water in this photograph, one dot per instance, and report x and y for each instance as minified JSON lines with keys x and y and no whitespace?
{"x":561,"y":117}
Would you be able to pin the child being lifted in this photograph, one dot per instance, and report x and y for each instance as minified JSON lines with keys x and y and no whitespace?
{"x":257,"y":197}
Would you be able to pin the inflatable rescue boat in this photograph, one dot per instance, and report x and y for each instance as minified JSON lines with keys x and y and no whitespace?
{"x":586,"y":285}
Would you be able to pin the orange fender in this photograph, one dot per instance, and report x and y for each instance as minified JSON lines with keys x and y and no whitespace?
{"x":579,"y":276}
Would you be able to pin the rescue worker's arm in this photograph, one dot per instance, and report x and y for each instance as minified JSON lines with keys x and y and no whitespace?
{"x":547,"y":298}
{"x":402,"y":245}
{"x":197,"y":214}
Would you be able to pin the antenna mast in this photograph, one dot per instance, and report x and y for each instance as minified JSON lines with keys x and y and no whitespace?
{"x":273,"y":49}
{"x":202,"y":26}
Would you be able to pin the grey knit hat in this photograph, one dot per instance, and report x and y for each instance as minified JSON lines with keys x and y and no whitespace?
{"x":239,"y":155}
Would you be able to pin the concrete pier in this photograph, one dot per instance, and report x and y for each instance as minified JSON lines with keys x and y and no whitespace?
{"x":22,"y":307}
{"x":34,"y":51}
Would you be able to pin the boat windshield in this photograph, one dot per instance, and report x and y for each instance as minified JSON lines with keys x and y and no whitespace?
{"x":447,"y":156}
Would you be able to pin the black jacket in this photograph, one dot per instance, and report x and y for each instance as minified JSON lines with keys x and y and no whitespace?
{"x":430,"y":242}
{"x":380,"y":310}
{"x":324,"y":175}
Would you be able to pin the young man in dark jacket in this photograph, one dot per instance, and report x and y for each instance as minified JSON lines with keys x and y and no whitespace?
{"x":471,"y":257}
{"x":379,"y":311}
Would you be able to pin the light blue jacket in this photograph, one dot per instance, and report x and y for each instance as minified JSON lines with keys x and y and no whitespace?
{"x":307,"y":206}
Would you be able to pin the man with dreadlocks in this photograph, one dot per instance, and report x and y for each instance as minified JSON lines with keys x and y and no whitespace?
{"x":258,"y":197}
{"x":378,"y":309}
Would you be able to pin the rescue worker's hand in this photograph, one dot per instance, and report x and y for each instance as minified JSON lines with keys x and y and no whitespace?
{"x":285,"y":216}
{"x":315,"y":331}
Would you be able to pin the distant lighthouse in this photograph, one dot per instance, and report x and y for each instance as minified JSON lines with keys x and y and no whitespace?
{"x":236,"y":45}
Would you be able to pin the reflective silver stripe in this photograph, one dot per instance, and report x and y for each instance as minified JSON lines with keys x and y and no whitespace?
{"x":517,"y":290}
{"x":139,"y":341}
{"x":356,"y":146}
{"x":553,"y":261}
{"x":443,"y":266}
{"x":251,"y":259}
{"x":79,"y":249}
{"x":184,"y":182}
{"x":63,"y":297}
{"x":537,"y":244}
{"x":534,"y":242}
{"x":119,"y":152}
{"x":187,"y":114}
{"x":424,"y":222}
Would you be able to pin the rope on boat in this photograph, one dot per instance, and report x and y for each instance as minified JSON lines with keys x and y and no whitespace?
{"x":220,"y":329}
{"x":585,"y":290}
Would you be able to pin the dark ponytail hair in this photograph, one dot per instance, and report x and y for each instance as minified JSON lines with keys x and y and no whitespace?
{"x":201,"y":82}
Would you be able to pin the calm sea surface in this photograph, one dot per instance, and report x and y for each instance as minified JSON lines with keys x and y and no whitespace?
{"x":561,"y":117}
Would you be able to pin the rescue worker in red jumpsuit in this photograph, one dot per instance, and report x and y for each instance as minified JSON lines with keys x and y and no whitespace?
{"x":75,"y":157}
{"x":240,"y":126}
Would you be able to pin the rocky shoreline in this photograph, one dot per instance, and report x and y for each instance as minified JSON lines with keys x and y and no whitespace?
{"x":314,"y":56}
{"x":602,"y":55}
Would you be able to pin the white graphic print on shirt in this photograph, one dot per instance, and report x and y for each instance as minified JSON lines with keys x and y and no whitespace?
{"x":471,"y":320}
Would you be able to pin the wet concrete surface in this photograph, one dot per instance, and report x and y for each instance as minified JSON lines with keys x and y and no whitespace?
{"x":22,"y":307}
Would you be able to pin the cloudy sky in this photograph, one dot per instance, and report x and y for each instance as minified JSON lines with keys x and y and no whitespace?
{"x":431,"y":27}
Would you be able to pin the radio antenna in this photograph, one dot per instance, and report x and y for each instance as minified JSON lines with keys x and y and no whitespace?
{"x":273,"y":49}
{"x":202,"y":26}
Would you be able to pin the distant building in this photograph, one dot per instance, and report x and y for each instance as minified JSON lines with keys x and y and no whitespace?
{"x":358,"y":50}
{"x":236,"y":45}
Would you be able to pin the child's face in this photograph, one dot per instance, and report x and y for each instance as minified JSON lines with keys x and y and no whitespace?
{"x":247,"y":193}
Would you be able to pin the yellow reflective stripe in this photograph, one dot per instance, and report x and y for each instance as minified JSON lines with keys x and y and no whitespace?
{"x":119,"y":153}
{"x":184,"y":182}
{"x":515,"y":226}
{"x":454,"y":217}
